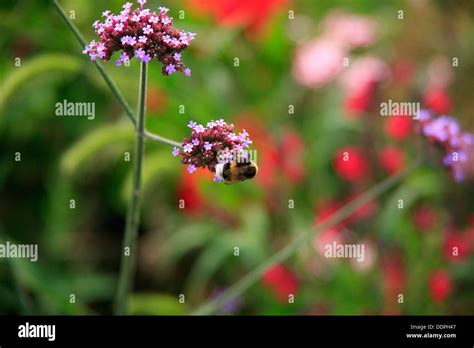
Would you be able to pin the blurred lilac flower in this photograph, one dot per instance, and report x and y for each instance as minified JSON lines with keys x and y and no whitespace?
{"x":441,"y":129}
{"x":231,"y":306}
{"x":445,"y":132}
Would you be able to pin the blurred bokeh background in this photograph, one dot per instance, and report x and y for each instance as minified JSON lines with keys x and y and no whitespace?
{"x":305,"y":79}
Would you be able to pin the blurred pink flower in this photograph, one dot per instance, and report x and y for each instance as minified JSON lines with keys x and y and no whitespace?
{"x":318,"y":62}
{"x":364,"y":71}
{"x":326,"y":237}
{"x":351,"y":30}
{"x":440,"y":73}
{"x":360,"y":80}
{"x":370,"y":256}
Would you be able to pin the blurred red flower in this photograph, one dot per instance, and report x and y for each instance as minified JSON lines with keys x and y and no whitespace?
{"x":325,"y":210}
{"x":267,"y":149}
{"x":291,"y":156}
{"x":393,"y":278}
{"x":470,"y":232}
{"x":328,"y":208}
{"x":398,"y":127}
{"x":360,"y":82}
{"x":455,"y":246}
{"x":424,"y":218}
{"x":392,"y":159}
{"x":359,"y":100}
{"x":156,"y":100}
{"x":402,"y":72}
{"x":364,"y":211}
{"x":351,"y":164}
{"x":438,"y":101}
{"x":249,"y":14}
{"x":440,"y":285}
{"x":281,"y":281}
{"x":272,"y":156}
{"x":188,"y":193}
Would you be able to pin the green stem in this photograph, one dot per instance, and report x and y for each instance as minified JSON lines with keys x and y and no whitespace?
{"x":108,"y":80}
{"x":253,"y":276}
{"x":128,"y":259}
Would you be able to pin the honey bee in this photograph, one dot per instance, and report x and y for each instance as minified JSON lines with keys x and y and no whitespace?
{"x":232,"y":172}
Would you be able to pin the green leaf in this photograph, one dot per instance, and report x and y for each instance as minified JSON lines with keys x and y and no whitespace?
{"x":208,"y":263}
{"x":155,"y":304}
{"x":42,"y":65}
{"x":189,"y":237}
{"x":94,"y":142}
{"x":156,"y":166}
{"x":421,"y":184}
{"x":54,"y":286}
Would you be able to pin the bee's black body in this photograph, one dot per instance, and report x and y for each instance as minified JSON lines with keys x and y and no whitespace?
{"x":233,"y":172}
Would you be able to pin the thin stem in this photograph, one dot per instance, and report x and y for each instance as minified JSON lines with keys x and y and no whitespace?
{"x":108,"y":80}
{"x":250,"y":278}
{"x":161,"y":139}
{"x":128,"y":259}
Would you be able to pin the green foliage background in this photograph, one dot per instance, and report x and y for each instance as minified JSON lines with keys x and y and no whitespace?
{"x":74,"y":158}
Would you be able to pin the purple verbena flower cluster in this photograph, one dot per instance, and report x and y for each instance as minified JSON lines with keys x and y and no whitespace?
{"x":143,"y":34}
{"x":213,"y":144}
{"x":458,"y":146}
